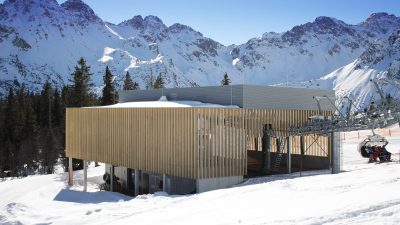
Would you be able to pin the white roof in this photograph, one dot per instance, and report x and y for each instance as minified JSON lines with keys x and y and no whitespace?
{"x":164,"y":103}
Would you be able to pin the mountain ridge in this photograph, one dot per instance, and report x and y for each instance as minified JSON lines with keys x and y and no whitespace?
{"x":43,"y":40}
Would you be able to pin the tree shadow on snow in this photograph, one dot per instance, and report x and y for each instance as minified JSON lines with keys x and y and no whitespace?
{"x":66,"y":195}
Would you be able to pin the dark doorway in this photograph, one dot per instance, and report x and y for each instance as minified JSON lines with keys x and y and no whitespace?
{"x":145,"y":183}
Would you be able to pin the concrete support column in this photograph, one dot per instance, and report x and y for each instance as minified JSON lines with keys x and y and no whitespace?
{"x":136,"y":182}
{"x":266,"y":149}
{"x":70,"y":172}
{"x":84,"y":175}
{"x":288,"y":155}
{"x":164,"y":182}
{"x":302,"y":150}
{"x":112,"y":178}
{"x":335,"y":152}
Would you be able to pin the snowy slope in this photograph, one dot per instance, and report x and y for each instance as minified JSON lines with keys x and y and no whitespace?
{"x":42,"y":40}
{"x":363,"y":194}
{"x":380,"y":60}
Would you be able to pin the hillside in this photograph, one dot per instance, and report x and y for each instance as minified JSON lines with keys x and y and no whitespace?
{"x":380,"y":60}
{"x":42,"y":40}
{"x":362,"y":194}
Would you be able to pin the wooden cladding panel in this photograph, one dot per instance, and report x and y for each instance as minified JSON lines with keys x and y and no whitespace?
{"x":185,"y":142}
{"x":281,"y":120}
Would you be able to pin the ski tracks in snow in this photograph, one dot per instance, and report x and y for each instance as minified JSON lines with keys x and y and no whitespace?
{"x":364,"y":215}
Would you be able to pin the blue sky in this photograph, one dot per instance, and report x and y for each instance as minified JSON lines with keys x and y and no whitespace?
{"x":236,"y":21}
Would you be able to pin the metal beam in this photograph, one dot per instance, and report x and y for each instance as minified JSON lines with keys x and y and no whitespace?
{"x":70,"y":172}
{"x":302,"y":150}
{"x":288,"y":155}
{"x":84,"y":175}
{"x":112,"y":178}
{"x":136,"y":182}
{"x":164,"y":182}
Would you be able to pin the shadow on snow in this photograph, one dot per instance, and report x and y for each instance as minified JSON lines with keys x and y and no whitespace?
{"x":66,"y":195}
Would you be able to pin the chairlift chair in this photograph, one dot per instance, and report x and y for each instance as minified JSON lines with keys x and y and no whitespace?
{"x":365,"y":147}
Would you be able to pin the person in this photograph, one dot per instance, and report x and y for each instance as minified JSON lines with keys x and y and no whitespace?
{"x":365,"y":152}
{"x":107,"y":178}
{"x":386,"y":154}
{"x":375,"y":154}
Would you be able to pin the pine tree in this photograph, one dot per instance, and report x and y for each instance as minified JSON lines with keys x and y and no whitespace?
{"x":129,"y":84}
{"x":159,"y":82}
{"x":225,"y":81}
{"x":79,"y":94}
{"x":67,"y":101}
{"x":2,"y":137}
{"x":31,"y":122}
{"x":45,"y":103}
{"x":29,"y":144}
{"x":109,"y":93}
{"x":57,"y":110}
{"x":13,"y":125}
{"x":150,"y":83}
{"x":81,"y":84}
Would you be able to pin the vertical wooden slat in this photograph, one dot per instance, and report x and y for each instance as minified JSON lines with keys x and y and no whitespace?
{"x":190,"y":142}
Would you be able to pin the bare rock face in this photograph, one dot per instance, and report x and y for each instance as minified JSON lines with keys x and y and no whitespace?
{"x":208,"y":46}
{"x":82,"y":11}
{"x":21,"y":43}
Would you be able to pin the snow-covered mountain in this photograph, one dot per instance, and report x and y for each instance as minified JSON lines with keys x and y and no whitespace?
{"x":41,"y":39}
{"x":380,"y":60}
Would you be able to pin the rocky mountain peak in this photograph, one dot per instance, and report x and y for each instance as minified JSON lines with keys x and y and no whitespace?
{"x":382,"y":22}
{"x":81,"y":10}
{"x":321,"y":25}
{"x":136,"y":22}
{"x":27,"y":6}
{"x":178,"y":28}
{"x":153,"y":23}
{"x":28,"y":10}
{"x":327,"y":22}
{"x":329,"y":25}
{"x":380,"y":16}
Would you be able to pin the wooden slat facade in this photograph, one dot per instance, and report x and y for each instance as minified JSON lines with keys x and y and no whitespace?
{"x":186,"y":142}
{"x":281,"y":120}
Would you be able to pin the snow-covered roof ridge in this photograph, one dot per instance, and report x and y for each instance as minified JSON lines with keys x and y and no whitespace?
{"x":163,"y":102}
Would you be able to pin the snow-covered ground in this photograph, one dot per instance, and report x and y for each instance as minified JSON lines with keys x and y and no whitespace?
{"x":362,"y":194}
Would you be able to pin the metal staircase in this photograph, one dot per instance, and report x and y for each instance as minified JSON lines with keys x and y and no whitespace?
{"x":278,"y":160}
{"x":280,"y":143}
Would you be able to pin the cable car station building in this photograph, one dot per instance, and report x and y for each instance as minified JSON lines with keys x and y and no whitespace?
{"x":212,"y":142}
